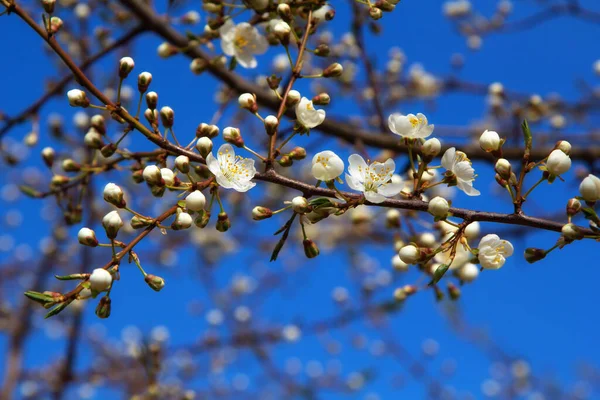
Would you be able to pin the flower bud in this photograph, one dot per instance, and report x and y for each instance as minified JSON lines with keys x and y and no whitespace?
{"x":322,"y":50}
{"x":321,"y":99}
{"x":375,"y":13}
{"x":48,"y":5}
{"x":398,"y":264}
{"x":78,"y":98}
{"x":190,"y":18}
{"x":573,"y":207}
{"x":392,"y":218}
{"x":282,"y":30}
{"x":431,"y":148}
{"x":138,"y":222}
{"x":204,"y":146}
{"x":155,"y":282}
{"x":166,"y":50}
{"x":182,"y":220}
{"x":260,"y":213}
{"x":271,"y":124}
{"x":453,"y":291}
{"x":203,"y":219}
{"x":310,"y":248}
{"x":152,"y":100}
{"x":248,"y":102}
{"x":114,"y":195}
{"x":97,"y":122}
{"x":126,"y":65}
{"x":503,"y":168}
{"x":489,"y":141}
{"x":571,"y":232}
{"x":223,"y":222}
{"x":590,"y":188}
{"x":103,"y":307}
{"x":167,"y":176}
{"x":301,"y":205}
{"x":285,"y":161}
{"x":100,"y":280}
{"x":399,"y":294}
{"x":333,"y":71}
{"x":108,"y":150}
{"x":409,"y":254}
{"x":48,"y":155}
{"x":558,"y":163}
{"x":438,"y":207}
{"x":532,"y":254}
{"x":55,"y":25}
{"x":205,"y":130}
{"x":468,"y":272}
{"x":563,"y":146}
{"x":144,"y":80}
{"x":198,"y":66}
{"x":233,"y":136}
{"x":112,"y":223}
{"x":167,"y":116}
{"x":182,"y":163}
{"x":151,"y":116}
{"x":59,"y":180}
{"x":297,"y":153}
{"x":152,"y":175}
{"x":293,"y":98}
{"x":284,"y":11}
{"x":87,"y":237}
{"x":195,"y":201}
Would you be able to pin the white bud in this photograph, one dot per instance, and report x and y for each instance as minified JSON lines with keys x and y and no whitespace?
{"x":300,"y":205}
{"x":248,"y":102}
{"x":489,"y":141}
{"x":409,"y":254}
{"x":571,"y":232}
{"x":182,"y":163}
{"x":152,"y":175}
{"x":183,"y":220}
{"x":563,"y":146}
{"x":167,"y":116}
{"x":78,"y":98}
{"x":431,"y":147}
{"x":472,"y":230}
{"x":438,"y":207}
{"x":590,"y":188}
{"x":398,"y":264}
{"x":93,"y":139}
{"x":496,"y":89}
{"x":468,"y":272}
{"x":87,"y":237}
{"x":271,"y":124}
{"x":167,"y":176}
{"x":166,"y":50}
{"x":82,"y":10}
{"x":114,"y":195}
{"x":195,"y":201}
{"x":293,"y":98}
{"x":126,"y":65}
{"x":558,"y":163}
{"x":204,"y":146}
{"x":144,"y":80}
{"x":100,"y":280}
{"x":233,"y":135}
{"x":503,"y":168}
{"x":112,"y":223}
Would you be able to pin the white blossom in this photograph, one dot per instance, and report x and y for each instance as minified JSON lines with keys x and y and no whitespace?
{"x":308,"y":115}
{"x":374,"y":180}
{"x":558,"y":163}
{"x":327,"y":166}
{"x":230,"y":171}
{"x":100,"y":280}
{"x":590,"y":188}
{"x":242,"y":41}
{"x":458,"y":163}
{"x":493,"y":251}
{"x":410,"y":126}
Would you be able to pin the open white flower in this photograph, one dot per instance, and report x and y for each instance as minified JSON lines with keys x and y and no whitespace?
{"x":242,"y":41}
{"x":493,"y":251}
{"x":374,"y":180}
{"x":326,"y":166}
{"x":308,"y":115}
{"x":230,"y":171}
{"x":458,"y":163}
{"x":410,"y":126}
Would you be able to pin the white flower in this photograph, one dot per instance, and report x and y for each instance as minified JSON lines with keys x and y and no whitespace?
{"x":458,"y":163}
{"x":242,"y":41}
{"x":195,"y":201}
{"x":374,"y":180}
{"x":489,"y":141}
{"x":307,"y":115}
{"x":438,"y":207}
{"x":167,"y":176}
{"x":558,"y":163}
{"x":468,"y":272}
{"x":327,"y":166}
{"x":112,"y":223}
{"x":590,"y":188}
{"x":100,"y":280}
{"x":410,"y":126}
{"x":230,"y":171}
{"x":409,"y":254}
{"x":493,"y":251}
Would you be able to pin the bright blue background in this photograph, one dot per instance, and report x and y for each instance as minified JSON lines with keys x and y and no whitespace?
{"x":545,"y":312}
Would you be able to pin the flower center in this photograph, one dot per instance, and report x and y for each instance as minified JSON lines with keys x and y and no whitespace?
{"x":240,"y":42}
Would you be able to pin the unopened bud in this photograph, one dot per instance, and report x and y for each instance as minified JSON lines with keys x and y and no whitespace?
{"x":271,"y":124}
{"x":78,"y":98}
{"x":103,"y":307}
{"x":126,"y":65}
{"x":87,"y":237}
{"x":282,"y":30}
{"x":300,"y":205}
{"x":248,"y":102}
{"x":233,"y":136}
{"x":310,"y":248}
{"x":114,"y":195}
{"x":198,"y":66}
{"x":285,"y":161}
{"x":205,"y":130}
{"x":573,"y":207}
{"x":431,"y":148}
{"x":152,"y":100}
{"x":55,"y":25}
{"x":532,"y":254}
{"x":138,"y":222}
{"x":321,"y":99}
{"x":48,"y":155}
{"x":453,"y":291}
{"x":144,"y":80}
{"x":571,"y":232}
{"x":48,"y":5}
{"x":108,"y":150}
{"x":223,"y":222}
{"x":322,"y":50}
{"x":564,"y":146}
{"x":98,"y":123}
{"x":204,"y":146}
{"x":293,"y":98}
{"x":151,"y":116}
{"x":182,"y":163}
{"x":392,"y":218}
{"x":152,"y":175}
{"x":167,"y":116}
{"x":155,"y":282}
{"x":285,"y":12}
{"x":375,"y":13}
{"x":59,"y":180}
{"x":297,"y":153}
{"x":260,"y":213}
{"x":202,"y":219}
{"x":438,"y":207}
{"x":195,"y":201}
{"x":112,"y":223}
{"x":503,"y":168}
{"x":333,"y":71}
{"x":166,"y":50}
{"x":182,"y":220}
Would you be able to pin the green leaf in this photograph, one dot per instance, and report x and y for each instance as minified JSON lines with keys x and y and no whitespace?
{"x":439,"y":272}
{"x":527,"y":134}
{"x":590,"y":214}
{"x":286,"y":231}
{"x":38,"y":297}
{"x":232,"y":63}
{"x":57,"y":309}
{"x":29,"y":191}
{"x":71,"y":277}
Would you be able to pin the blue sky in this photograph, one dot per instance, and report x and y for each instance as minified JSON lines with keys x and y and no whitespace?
{"x":543,"y":312}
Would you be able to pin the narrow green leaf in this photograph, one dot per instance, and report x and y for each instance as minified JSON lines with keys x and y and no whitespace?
{"x":439,"y":272}
{"x":286,"y":231}
{"x":39,"y":297}
{"x":57,"y":309}
{"x":71,"y":277}
{"x":29,"y":191}
{"x":527,"y":134}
